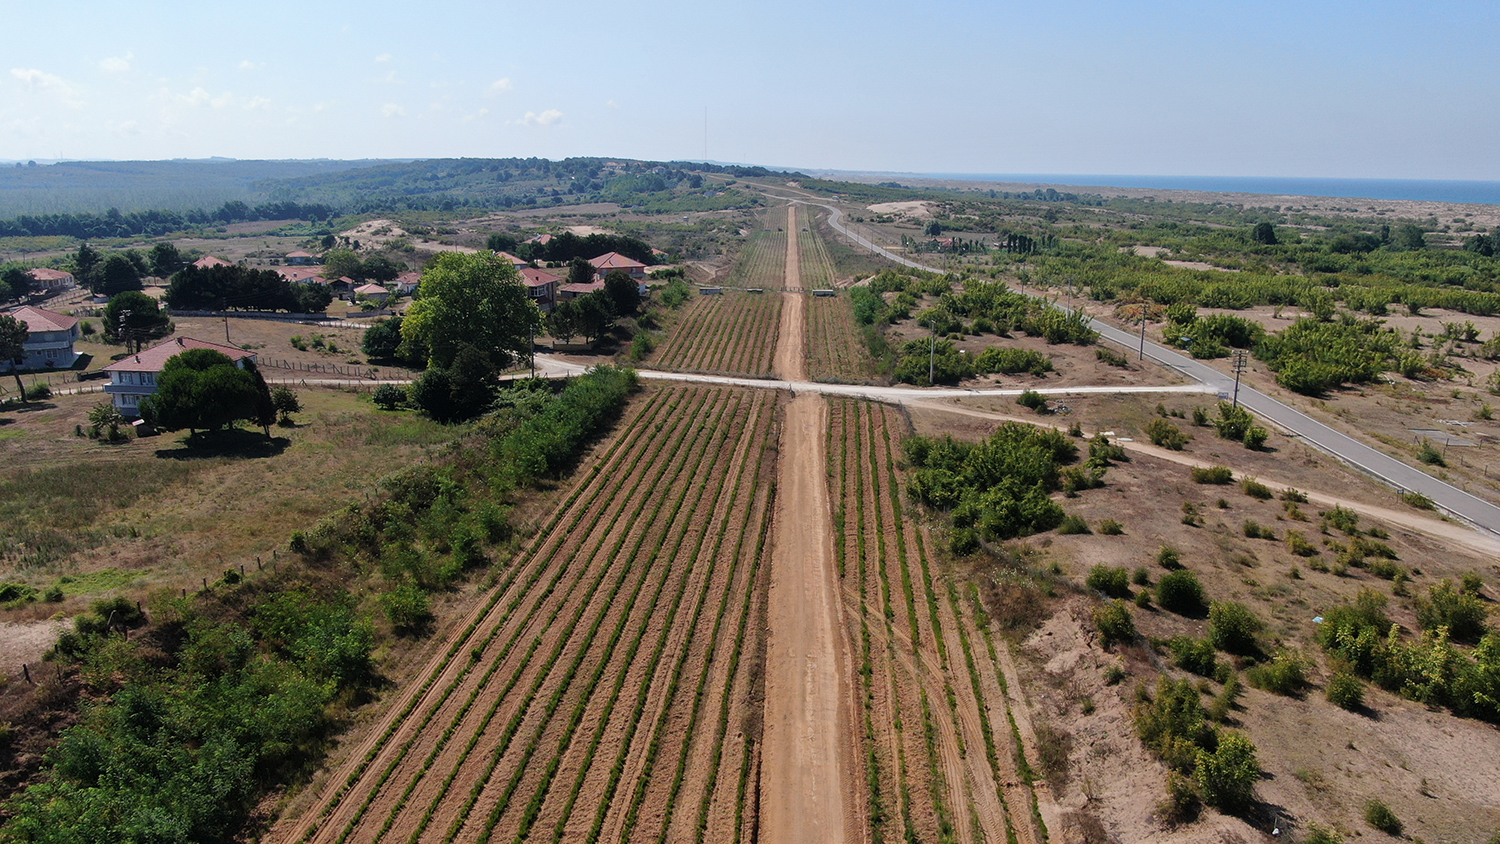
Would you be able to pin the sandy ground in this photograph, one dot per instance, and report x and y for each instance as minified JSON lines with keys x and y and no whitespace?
{"x":25,"y":642}
{"x":915,"y":208}
{"x":807,"y":723}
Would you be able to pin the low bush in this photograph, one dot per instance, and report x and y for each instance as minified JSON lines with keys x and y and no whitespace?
{"x":1212,"y":475}
{"x":1233,"y":628}
{"x":1255,"y":530}
{"x":1380,"y":816}
{"x":1113,"y":581}
{"x":1032,"y":400}
{"x":1345,"y":691}
{"x":1173,"y":725}
{"x":1110,"y":527}
{"x":40,"y":391}
{"x":1285,"y":674}
{"x":1463,"y":614}
{"x":1255,"y":489}
{"x":389,"y":396}
{"x":1293,"y":495}
{"x":1180,"y":592}
{"x":1195,"y":655}
{"x":1296,"y":542}
{"x":1227,"y":776}
{"x":1168,"y":558}
{"x":1166,"y":435}
{"x":1115,"y":623}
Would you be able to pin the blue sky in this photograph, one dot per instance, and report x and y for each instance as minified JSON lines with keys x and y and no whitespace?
{"x":1331,"y":89}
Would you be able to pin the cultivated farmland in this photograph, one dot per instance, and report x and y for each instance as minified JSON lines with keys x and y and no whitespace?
{"x":609,"y":689}
{"x":732,"y":334}
{"x":940,"y":748}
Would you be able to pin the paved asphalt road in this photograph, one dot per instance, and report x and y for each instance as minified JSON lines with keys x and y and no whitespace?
{"x":1449,"y":498}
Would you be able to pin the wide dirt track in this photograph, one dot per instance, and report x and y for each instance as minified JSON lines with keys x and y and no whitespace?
{"x":729,"y":629}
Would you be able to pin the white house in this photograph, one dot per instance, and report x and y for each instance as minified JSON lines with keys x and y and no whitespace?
{"x":133,"y":377}
{"x":49,"y":339}
{"x":52,"y":281}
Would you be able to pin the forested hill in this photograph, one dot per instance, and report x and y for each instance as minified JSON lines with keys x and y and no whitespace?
{"x":79,"y":187}
{"x":123,"y":199}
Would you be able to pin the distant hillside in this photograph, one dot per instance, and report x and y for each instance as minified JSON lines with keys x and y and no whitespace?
{"x":96,"y":186}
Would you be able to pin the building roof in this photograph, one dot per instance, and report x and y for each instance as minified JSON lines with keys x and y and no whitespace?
{"x":300,"y":254}
{"x":41,"y":319}
{"x":615,"y":261}
{"x":210,"y":261}
{"x":542,"y":239}
{"x":154,"y":358}
{"x":48,"y":274}
{"x":534,"y":277}
{"x":517,"y":262}
{"x":580,"y":289}
{"x":300,"y":275}
{"x":409,"y":278}
{"x":372,"y":289}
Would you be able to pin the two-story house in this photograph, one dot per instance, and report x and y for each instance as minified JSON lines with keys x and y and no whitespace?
{"x":133,"y":377}
{"x":542,"y":286}
{"x":49,"y":339}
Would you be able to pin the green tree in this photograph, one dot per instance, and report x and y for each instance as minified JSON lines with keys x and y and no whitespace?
{"x":1264,"y":233}
{"x":623,"y":293}
{"x":105,"y":415}
{"x":132,"y":318}
{"x":201,"y":389}
{"x":562,"y":322}
{"x":13,"y":335}
{"x":285,"y":401}
{"x":594,"y":315}
{"x":475,"y":300}
{"x":382,"y":340}
{"x":1226,"y":778}
{"x":380,"y":268}
{"x":580,"y":271}
{"x":117,"y":274}
{"x":14,"y":283}
{"x":338,"y":263}
{"x":500,"y":242}
{"x":85,"y":263}
{"x":165,"y":260}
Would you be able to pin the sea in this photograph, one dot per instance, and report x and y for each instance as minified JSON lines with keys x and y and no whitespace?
{"x":1487,"y":193}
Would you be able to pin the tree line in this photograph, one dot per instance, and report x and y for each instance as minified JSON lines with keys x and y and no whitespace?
{"x":114,"y":223}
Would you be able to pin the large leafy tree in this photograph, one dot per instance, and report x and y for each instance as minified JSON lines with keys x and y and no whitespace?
{"x":201,"y":389}
{"x":133,"y":318}
{"x":117,"y":274}
{"x":623,"y":292}
{"x":13,"y":347}
{"x":85,"y":263}
{"x":471,"y":300}
{"x":165,"y":260}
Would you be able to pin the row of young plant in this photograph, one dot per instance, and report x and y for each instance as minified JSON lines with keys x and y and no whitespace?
{"x":601,"y":494}
{"x":762,"y":261}
{"x":236,"y":695}
{"x":731,"y":333}
{"x":630,"y":567}
{"x":529,"y":565}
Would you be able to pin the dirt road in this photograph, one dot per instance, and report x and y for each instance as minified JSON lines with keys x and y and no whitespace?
{"x":807,"y":723}
{"x":804,"y":776}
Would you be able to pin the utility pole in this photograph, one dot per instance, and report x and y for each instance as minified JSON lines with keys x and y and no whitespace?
{"x":533,"y":351}
{"x":1239,"y":366}
{"x":1143,"y":333}
{"x":932,"y":357}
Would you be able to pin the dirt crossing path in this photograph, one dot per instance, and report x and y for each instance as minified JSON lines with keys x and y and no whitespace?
{"x":805,"y":780}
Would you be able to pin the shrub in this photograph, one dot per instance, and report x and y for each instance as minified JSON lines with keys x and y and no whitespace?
{"x":1226,"y":700}
{"x":1173,"y":725}
{"x":1319,"y":834}
{"x":1112,"y":358}
{"x":1227,"y":776}
{"x":1143,"y":599}
{"x":40,"y":391}
{"x":1470,"y":583}
{"x":1255,"y":489}
{"x":1417,"y":500}
{"x":1181,"y":805}
{"x":1168,"y":558}
{"x":1195,"y":655}
{"x":1213,"y":475}
{"x":407,"y":607}
{"x":1293,"y":495}
{"x":1110,"y":527}
{"x":1284,"y":675}
{"x":1255,"y":530}
{"x":1141,"y":577}
{"x":1073,"y":524}
{"x":1255,"y":438}
{"x":1297,"y":543}
{"x":1380,"y":816}
{"x":1429,"y":454}
{"x":1200,"y":417}
{"x":1033,"y":400}
{"x":1179,"y":591}
{"x":1166,"y":435}
{"x":1115,"y":623}
{"x":1233,"y":422}
{"x":389,"y":396}
{"x":1345,"y":691}
{"x":1233,"y":628}
{"x":1111,"y":580}
{"x":1462,"y":613}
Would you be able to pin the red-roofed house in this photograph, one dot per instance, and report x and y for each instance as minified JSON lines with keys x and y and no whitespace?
{"x":299,"y":275}
{"x":406,"y":283}
{"x":49,"y":339}
{"x":208,"y":261}
{"x":301,"y":259}
{"x":52,"y":280}
{"x":372,"y":291}
{"x":514,"y":261}
{"x":571,"y":291}
{"x":542,"y":286}
{"x":132,"y":378}
{"x":611,"y":261}
{"x":541,"y":239}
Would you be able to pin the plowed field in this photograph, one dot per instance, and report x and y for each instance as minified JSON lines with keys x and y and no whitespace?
{"x":835,"y":349}
{"x":732,"y":334}
{"x":609,"y":690}
{"x":939,"y":749}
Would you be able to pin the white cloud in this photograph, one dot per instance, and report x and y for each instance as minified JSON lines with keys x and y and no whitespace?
{"x":392,"y":110}
{"x":383,"y":57}
{"x":200,"y":97}
{"x":470,"y":118}
{"x":546,"y":118}
{"x":246,"y":64}
{"x":257,"y":104}
{"x":46,"y":83}
{"x":498,"y":87}
{"x":116,"y":64}
{"x":612,"y":104}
